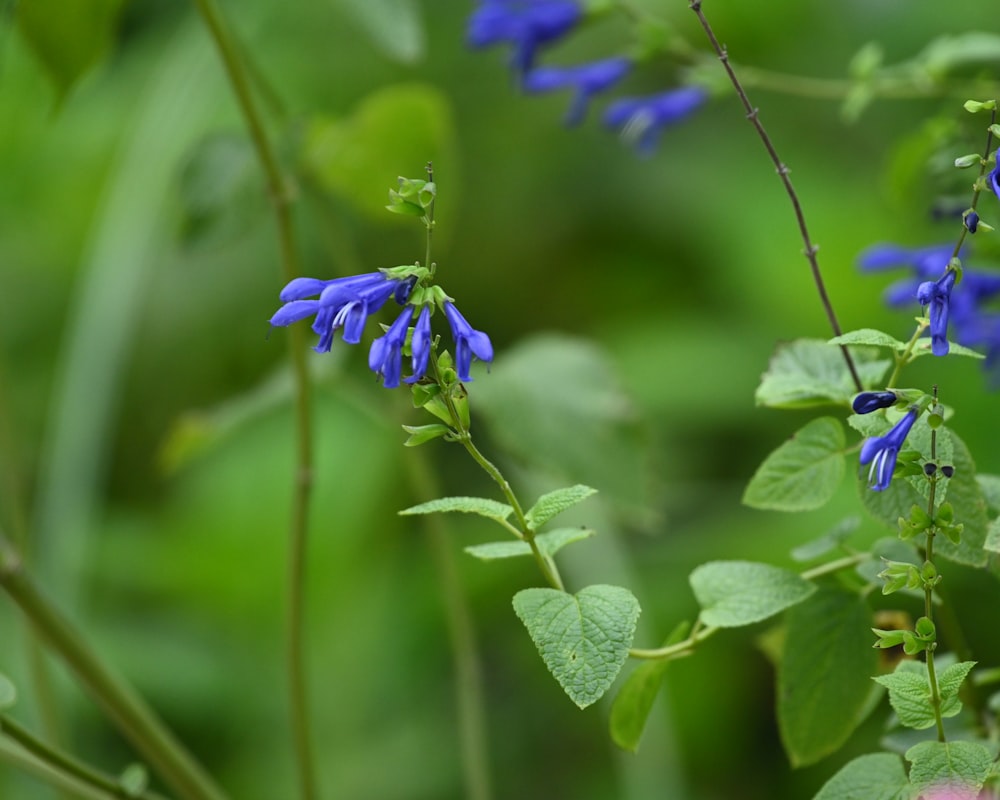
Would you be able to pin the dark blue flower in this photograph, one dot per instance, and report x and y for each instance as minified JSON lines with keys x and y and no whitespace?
{"x":586,"y":79}
{"x":420,"y":345}
{"x":882,"y":452}
{"x":343,"y":303}
{"x":524,"y":24}
{"x":468,"y":342}
{"x":866,"y":402}
{"x":642,"y":119}
{"x":993,"y":178}
{"x":936,"y":295}
{"x":386,"y":355}
{"x":971,"y":221}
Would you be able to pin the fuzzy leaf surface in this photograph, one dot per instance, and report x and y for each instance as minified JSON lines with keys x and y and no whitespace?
{"x":554,"y":503}
{"x":484,"y":507}
{"x":550,"y":543}
{"x":804,"y":472}
{"x":735,"y":593}
{"x":877,"y":776}
{"x":583,"y":638}
{"x":961,"y":767}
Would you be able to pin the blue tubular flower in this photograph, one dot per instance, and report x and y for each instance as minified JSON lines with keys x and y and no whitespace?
{"x":586,"y":79}
{"x":937,"y":294}
{"x":994,"y":177}
{"x":468,"y":342}
{"x":343,"y":303}
{"x":386,"y":356}
{"x":866,"y":402}
{"x":525,"y":24}
{"x":882,"y":452}
{"x":420,"y":345}
{"x":642,"y":119}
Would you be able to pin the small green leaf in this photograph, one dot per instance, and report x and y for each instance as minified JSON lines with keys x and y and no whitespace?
{"x":735,"y":593}
{"x":950,"y":679}
{"x":634,"y":700}
{"x":823,"y":675}
{"x":804,"y":472}
{"x":961,"y":767}
{"x":424,"y":433}
{"x":553,"y":503}
{"x":583,"y":638}
{"x":877,"y":776}
{"x":491,"y":509}
{"x":550,"y":543}
{"x":910,"y":696}
{"x":809,"y":372}
{"x":870,"y":336}
{"x":8,"y":692}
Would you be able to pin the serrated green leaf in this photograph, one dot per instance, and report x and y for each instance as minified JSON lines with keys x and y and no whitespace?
{"x":950,"y":679}
{"x":810,"y":372}
{"x":823,"y":675}
{"x":634,"y":700}
{"x":735,"y":593}
{"x":869,"y":336}
{"x":68,"y":36}
{"x":961,"y":767}
{"x":877,"y":776}
{"x":394,"y":26}
{"x":584,"y":638}
{"x":910,"y":696}
{"x":550,"y":543}
{"x":491,"y":509}
{"x":923,"y":348}
{"x":803,"y":473}
{"x":553,"y":503}
{"x":965,"y":494}
{"x":8,"y":692}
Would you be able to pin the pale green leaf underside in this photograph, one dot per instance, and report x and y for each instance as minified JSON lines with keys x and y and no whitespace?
{"x":491,"y":509}
{"x":877,"y":776}
{"x":804,"y":472}
{"x":550,"y":543}
{"x":583,"y":638}
{"x":8,"y":693}
{"x":955,"y":765}
{"x":554,"y":503}
{"x":734,"y":593}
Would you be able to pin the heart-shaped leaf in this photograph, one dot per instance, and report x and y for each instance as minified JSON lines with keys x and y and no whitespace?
{"x":583,"y":638}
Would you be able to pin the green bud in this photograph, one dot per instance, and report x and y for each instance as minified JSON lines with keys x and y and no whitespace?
{"x":953,"y":532}
{"x":945,"y":514}
{"x":887,"y":639}
{"x":995,"y":129}
{"x":970,"y":160}
{"x":925,"y":629}
{"x":919,"y":518}
{"x":935,"y":419}
{"x":912,"y":645}
{"x":928,"y":572}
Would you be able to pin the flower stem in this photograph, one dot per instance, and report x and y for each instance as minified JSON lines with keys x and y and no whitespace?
{"x":753,"y":115}
{"x":69,"y":765}
{"x":929,"y":595}
{"x":136,"y":720}
{"x":281,"y":193}
{"x":902,"y":359}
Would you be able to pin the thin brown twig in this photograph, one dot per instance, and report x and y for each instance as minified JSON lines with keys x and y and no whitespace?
{"x":811,"y":249}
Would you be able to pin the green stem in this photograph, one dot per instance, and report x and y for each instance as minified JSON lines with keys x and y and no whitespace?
{"x":472,"y":731}
{"x":904,"y":358}
{"x":136,"y":720}
{"x":280,"y":190}
{"x":69,"y":765}
{"x":16,"y":757}
{"x":929,"y":596}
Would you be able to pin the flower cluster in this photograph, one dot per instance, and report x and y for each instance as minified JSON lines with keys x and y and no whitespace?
{"x":934,"y":283}
{"x":528,"y":25}
{"x":346,"y":303}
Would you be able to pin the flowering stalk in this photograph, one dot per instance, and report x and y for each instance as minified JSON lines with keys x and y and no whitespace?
{"x":810,"y":249}
{"x":281,"y":199}
{"x":929,"y":591}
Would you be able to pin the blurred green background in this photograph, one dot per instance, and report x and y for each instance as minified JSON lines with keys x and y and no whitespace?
{"x":146,"y":432}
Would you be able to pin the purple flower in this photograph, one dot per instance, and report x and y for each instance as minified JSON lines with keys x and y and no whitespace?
{"x":642,"y":119}
{"x":525,"y":24}
{"x":468,"y":342}
{"x":882,"y":452}
{"x":420,"y":345}
{"x":993,"y":178}
{"x":927,"y":263}
{"x":866,"y":402}
{"x":343,"y":303}
{"x":971,"y":221}
{"x":586,"y":79}
{"x":937,"y":294}
{"x":386,"y":355}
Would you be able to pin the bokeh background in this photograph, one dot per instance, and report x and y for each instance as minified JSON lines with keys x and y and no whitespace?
{"x":633,"y":304}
